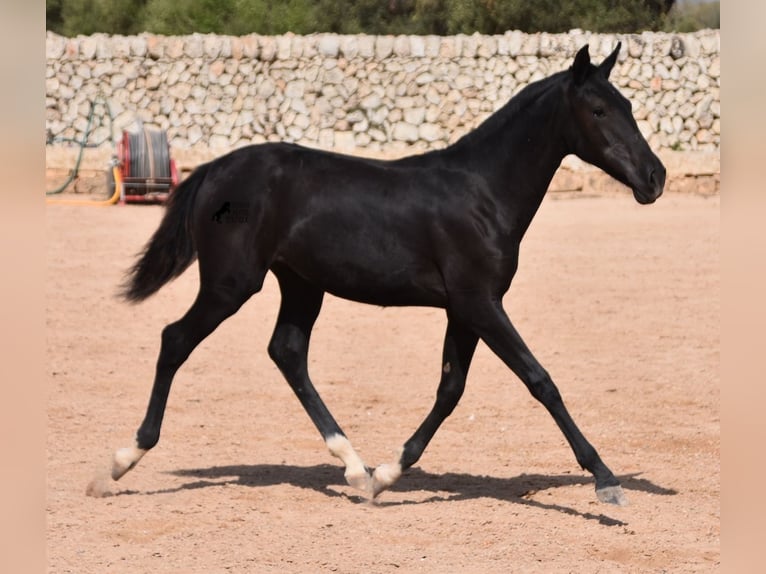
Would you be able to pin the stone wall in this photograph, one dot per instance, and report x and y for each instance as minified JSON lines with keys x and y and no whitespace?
{"x":375,"y":95}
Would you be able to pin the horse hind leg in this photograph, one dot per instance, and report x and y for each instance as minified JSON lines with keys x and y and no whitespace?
{"x":211,"y":307}
{"x":288,"y":349}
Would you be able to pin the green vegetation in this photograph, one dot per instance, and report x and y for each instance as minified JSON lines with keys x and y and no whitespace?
{"x":238,"y":17}
{"x":688,"y":17}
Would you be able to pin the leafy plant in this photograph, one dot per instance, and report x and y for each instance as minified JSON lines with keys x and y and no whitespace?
{"x":238,"y":17}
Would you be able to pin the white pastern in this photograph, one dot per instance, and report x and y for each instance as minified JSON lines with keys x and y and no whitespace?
{"x":356,"y":472}
{"x":385,"y":476}
{"x":125,"y":459}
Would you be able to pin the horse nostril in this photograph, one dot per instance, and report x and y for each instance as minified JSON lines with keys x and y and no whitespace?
{"x":657,"y":177}
{"x":657,"y":180}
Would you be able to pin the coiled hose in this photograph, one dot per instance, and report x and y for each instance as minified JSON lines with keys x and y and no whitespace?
{"x":103,"y":202}
{"x":83,"y":143}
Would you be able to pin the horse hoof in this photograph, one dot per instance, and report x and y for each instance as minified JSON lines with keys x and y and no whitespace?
{"x":612,"y":495}
{"x":360,"y":481}
{"x":125,"y":459}
{"x":384,"y":477}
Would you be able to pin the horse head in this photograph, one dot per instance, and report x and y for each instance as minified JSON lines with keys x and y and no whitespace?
{"x":603,"y":131}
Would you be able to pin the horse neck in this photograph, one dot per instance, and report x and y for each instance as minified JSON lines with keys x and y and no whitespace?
{"x":518,"y":149}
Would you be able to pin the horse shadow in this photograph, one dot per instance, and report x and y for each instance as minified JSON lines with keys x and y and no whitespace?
{"x":328,"y":480}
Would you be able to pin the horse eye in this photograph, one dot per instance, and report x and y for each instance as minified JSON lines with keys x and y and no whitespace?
{"x":599,"y":112}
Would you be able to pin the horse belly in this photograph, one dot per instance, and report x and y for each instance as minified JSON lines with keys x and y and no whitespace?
{"x":380,"y":270}
{"x":405,"y":287}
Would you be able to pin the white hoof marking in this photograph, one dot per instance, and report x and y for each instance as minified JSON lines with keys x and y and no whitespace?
{"x":356,"y":472}
{"x":125,"y":459}
{"x":385,"y":476}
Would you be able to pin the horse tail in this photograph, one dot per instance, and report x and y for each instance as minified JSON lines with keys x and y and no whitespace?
{"x":171,"y":249}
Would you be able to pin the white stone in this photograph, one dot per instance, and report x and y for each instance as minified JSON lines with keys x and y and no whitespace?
{"x":370,"y":102}
{"x":433,"y":46}
{"x":366,"y":45}
{"x":349,"y":46}
{"x":297,"y":46}
{"x":284,"y":44}
{"x":218,"y":141}
{"x":295,"y":89}
{"x":429,"y":132}
{"x":401,"y":46}
{"x":54,"y":46}
{"x":417,"y":46}
{"x":344,"y":140}
{"x":329,"y":45}
{"x":406,"y":132}
{"x":414,"y":116}
{"x":384,"y":46}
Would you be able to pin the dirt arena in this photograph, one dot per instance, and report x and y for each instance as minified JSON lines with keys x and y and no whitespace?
{"x":620,"y":302}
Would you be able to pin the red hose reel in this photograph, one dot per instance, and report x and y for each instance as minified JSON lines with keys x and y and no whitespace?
{"x":149,"y":174}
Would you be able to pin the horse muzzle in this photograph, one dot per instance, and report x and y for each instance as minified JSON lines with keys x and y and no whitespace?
{"x":653,"y":186}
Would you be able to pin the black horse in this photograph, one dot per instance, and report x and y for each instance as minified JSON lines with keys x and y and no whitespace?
{"x":440,"y":229}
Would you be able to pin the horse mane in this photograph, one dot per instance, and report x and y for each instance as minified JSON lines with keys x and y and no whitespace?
{"x":507,"y":114}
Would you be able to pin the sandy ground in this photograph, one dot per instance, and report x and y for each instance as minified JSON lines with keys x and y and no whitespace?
{"x":619,"y":302}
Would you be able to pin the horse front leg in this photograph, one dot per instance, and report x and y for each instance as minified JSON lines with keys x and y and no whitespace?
{"x":459,"y":346}
{"x":489,"y":320}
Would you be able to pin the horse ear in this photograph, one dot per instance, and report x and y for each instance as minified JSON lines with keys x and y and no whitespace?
{"x":581,"y":65}
{"x":606,"y":66}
